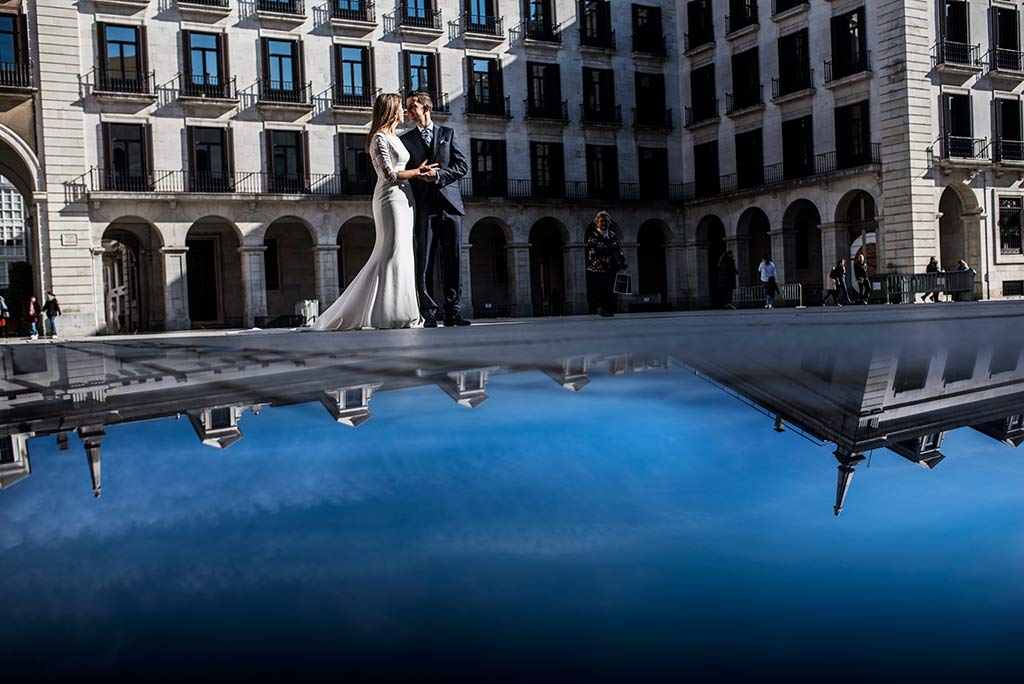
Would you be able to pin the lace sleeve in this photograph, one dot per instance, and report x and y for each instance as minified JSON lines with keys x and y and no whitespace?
{"x":380,"y":157}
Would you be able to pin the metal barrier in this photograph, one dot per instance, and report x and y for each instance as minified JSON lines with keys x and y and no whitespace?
{"x":903,"y":289}
{"x":790,"y":294}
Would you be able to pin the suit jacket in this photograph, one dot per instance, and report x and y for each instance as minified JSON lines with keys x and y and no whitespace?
{"x":445,"y":150}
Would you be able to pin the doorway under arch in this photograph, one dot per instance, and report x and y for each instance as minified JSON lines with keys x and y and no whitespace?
{"x":133,"y":278}
{"x":652,"y":260}
{"x":288,"y":266}
{"x":548,"y":238}
{"x":355,"y":243}
{"x":752,"y":243}
{"x":214,"y":266}
{"x":488,"y":269}
{"x":711,"y":236}
{"x":803,"y":221}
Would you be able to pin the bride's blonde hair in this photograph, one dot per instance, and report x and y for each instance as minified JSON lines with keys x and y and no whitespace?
{"x":387,"y":112}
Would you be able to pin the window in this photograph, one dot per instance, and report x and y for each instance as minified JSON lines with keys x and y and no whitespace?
{"x":705,"y":158}
{"x":797,"y":148}
{"x":749,"y":159}
{"x":486,"y":94}
{"x":960,"y":362}
{"x":1013,"y":288}
{"x":540,"y":19}
{"x":912,"y":370}
{"x":210,"y":159}
{"x":653,"y":168}
{"x":596,"y":24}
{"x":547,"y":169}
{"x":742,"y":13}
{"x":283,"y":71}
{"x":1004,"y":358}
{"x":648,"y":34}
{"x":354,"y":87}
{"x":205,"y":66}
{"x":795,"y":55}
{"x":6,"y":450}
{"x":1009,"y":225}
{"x":489,"y":168}
{"x":421,"y":73}
{"x":12,"y":229}
{"x":650,"y":99}
{"x":955,"y":22}
{"x":746,"y":79}
{"x":287,"y":159}
{"x":853,"y":134}
{"x":599,"y":95}
{"x":1006,"y":39}
{"x":958,"y":126}
{"x":122,"y":56}
{"x":703,"y":100}
{"x":419,"y":12}
{"x":128,"y":156}
{"x":849,"y":45}
{"x":14,"y":51}
{"x":544,"y":90}
{"x":1009,"y":134}
{"x":480,"y":16}
{"x":700,"y":24}
{"x":602,"y":171}
{"x":272,"y":264}
{"x":358,"y":175}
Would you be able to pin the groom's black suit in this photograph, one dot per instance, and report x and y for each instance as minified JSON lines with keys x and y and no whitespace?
{"x":439,"y":212}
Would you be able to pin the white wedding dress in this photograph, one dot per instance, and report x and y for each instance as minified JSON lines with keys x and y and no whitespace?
{"x":383,"y":295}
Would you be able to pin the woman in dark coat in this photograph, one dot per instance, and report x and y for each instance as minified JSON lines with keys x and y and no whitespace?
{"x":727,"y":273}
{"x":604,"y":260}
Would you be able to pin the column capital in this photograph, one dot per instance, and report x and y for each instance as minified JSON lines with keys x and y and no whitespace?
{"x":629,"y":245}
{"x":776,"y":233}
{"x":252,"y":249}
{"x":325,"y":248}
{"x":174,"y":249}
{"x":832,"y":226}
{"x":518,"y":245}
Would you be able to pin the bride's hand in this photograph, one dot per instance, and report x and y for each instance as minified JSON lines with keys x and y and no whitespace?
{"x":427,"y":171}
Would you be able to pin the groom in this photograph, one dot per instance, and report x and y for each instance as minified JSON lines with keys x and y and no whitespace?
{"x":439,"y":210}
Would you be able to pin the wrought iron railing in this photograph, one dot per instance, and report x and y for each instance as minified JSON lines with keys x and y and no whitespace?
{"x":492,"y":107}
{"x":413,"y":17}
{"x":706,"y":111}
{"x":220,"y":4}
{"x":363,"y":11}
{"x":659,"y":118}
{"x":103,"y":80}
{"x":744,"y":99}
{"x":611,"y":115}
{"x":1010,"y":150}
{"x":207,"y":86}
{"x":17,"y":75}
{"x":1001,"y":59}
{"x":837,"y":69}
{"x":345,"y":95}
{"x":960,"y":147}
{"x":650,"y":44}
{"x":297,"y":7}
{"x":790,"y":82}
{"x":481,"y":25}
{"x":604,"y":39}
{"x":949,"y":52}
{"x":698,"y":39}
{"x":542,"y":31}
{"x":547,"y":112}
{"x":284,"y":92}
{"x":741,"y":15}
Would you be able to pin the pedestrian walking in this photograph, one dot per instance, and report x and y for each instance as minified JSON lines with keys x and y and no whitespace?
{"x":5,"y":314}
{"x":768,"y":278}
{"x":33,"y":316}
{"x":51,"y":307}
{"x":604,"y":260}
{"x":727,"y":273}
{"x":860,"y":274}
{"x":839,"y":293}
{"x":932,"y":267}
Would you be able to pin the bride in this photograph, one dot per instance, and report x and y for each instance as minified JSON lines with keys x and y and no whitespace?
{"x":383,"y":295}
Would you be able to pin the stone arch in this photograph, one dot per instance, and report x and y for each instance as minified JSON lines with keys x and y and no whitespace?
{"x":801,"y":226}
{"x":489,"y":268}
{"x":219,"y":219}
{"x":958,"y":230}
{"x":550,"y":274}
{"x":652,"y":240}
{"x":133,"y":277}
{"x":355,"y":242}
{"x":857,"y":210}
{"x":216,"y":294}
{"x":19,"y":163}
{"x":709,"y":241}
{"x":752,"y":243}
{"x":289,"y":265}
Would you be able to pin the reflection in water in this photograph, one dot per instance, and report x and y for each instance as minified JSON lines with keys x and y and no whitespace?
{"x":891,"y":391}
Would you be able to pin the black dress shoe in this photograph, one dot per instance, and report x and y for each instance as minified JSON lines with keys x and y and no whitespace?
{"x":430,"y":322}
{"x":456,"y":322}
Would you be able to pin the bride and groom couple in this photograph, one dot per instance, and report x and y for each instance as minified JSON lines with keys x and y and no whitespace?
{"x":417,"y":212}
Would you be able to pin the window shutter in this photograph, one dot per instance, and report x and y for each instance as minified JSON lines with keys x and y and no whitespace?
{"x":300,"y":60}
{"x":406,"y":77}
{"x":101,"y":46}
{"x":435,"y":77}
{"x":149,"y":161}
{"x":223,"y":63}
{"x":499,"y":85}
{"x":186,"y":50}
{"x":268,"y":141}
{"x":304,"y":151}
{"x":22,"y":47}
{"x":265,"y":63}
{"x":368,"y":72}
{"x":501,"y":164}
{"x":190,"y":141}
{"x":143,"y":37}
{"x":108,"y":154}
{"x":229,"y":154}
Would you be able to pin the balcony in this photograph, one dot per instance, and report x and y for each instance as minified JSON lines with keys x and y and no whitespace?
{"x":284,"y":12}
{"x":597,"y":40}
{"x":538,"y":34}
{"x":1009,"y":152}
{"x":772,"y":176}
{"x":206,"y":91}
{"x":1004,"y":65}
{"x":784,"y":9}
{"x":489,"y":109}
{"x":555,"y":113}
{"x":106,"y":85}
{"x":477,"y":28}
{"x":741,"y":22}
{"x":412,"y":22}
{"x":747,"y":100}
{"x":793,"y":85}
{"x":204,"y":8}
{"x":525,"y":189}
{"x":956,"y":58}
{"x":650,"y":45}
{"x":601,"y":117}
{"x":838,"y":73}
{"x":345,"y":99}
{"x":652,"y":119}
{"x":360,"y":16}
{"x":698,"y":42}
{"x":955,"y":151}
{"x":272,"y":94}
{"x":704,"y":115}
{"x":122,"y":4}
{"x":17,"y":80}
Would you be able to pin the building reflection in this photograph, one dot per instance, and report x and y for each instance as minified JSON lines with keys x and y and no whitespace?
{"x":894,"y":395}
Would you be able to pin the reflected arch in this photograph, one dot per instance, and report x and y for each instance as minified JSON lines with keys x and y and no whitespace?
{"x":549,"y":272}
{"x":489,"y":268}
{"x":133,"y":278}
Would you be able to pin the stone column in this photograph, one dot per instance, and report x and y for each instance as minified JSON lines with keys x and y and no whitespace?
{"x":176,"y":288}
{"x":575,"y":265}
{"x":975,"y":224}
{"x":519,"y":291}
{"x":835,"y":245}
{"x":325,"y":266}
{"x":697,"y":265}
{"x":675,"y":274}
{"x":630,"y":250}
{"x":466,"y":276}
{"x":254,"y":282}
